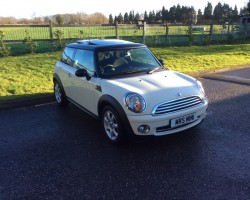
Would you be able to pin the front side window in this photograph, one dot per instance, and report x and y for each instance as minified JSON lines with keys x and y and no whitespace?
{"x":67,"y":56}
{"x":84,"y":59}
{"x":123,"y":62}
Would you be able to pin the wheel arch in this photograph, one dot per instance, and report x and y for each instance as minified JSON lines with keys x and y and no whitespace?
{"x":56,"y":78}
{"x":106,"y":100}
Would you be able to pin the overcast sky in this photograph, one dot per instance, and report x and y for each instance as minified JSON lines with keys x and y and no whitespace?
{"x":37,"y":8}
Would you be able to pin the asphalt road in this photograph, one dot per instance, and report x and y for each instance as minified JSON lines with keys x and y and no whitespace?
{"x":47,"y":152}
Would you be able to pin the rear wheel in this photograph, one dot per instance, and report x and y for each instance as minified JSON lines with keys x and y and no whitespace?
{"x":113,"y":128}
{"x":60,"y":94}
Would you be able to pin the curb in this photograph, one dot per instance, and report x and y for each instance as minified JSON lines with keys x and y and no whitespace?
{"x":215,"y":71}
{"x":241,"y":81}
{"x":26,"y":102}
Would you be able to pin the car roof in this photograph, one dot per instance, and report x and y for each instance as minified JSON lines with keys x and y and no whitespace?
{"x":98,"y":45}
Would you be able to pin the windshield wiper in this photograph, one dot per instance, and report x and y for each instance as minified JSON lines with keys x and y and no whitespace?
{"x":129,"y":72}
{"x":155,"y":69}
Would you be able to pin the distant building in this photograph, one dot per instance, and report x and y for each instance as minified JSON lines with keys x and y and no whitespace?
{"x":245,"y":23}
{"x":245,"y":20}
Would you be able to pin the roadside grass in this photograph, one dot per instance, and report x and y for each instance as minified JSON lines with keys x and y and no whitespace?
{"x":31,"y":75}
{"x":26,"y":75}
{"x":204,"y":58}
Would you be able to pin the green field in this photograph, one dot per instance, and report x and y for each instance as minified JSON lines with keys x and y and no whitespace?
{"x":98,"y":31}
{"x":29,"y":75}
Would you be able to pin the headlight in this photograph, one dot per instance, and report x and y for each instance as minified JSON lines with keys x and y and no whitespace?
{"x":199,"y":85}
{"x":135,"y":102}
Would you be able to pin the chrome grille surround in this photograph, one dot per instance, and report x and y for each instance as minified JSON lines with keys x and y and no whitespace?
{"x":177,"y":105}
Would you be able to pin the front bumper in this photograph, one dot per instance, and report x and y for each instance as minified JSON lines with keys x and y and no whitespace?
{"x":161,"y":125}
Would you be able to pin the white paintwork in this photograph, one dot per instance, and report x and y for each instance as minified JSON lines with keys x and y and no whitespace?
{"x":155,"y":88}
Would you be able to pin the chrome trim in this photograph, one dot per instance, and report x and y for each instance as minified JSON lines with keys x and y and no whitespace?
{"x":177,"y":105}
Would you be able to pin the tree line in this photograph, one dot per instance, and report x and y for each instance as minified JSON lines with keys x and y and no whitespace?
{"x":59,"y":19}
{"x":221,"y":13}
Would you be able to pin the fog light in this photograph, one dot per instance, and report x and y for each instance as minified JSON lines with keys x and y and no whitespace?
{"x":143,"y":129}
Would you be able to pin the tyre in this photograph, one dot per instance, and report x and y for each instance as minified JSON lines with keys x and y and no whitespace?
{"x":112,"y":125}
{"x":59,"y":94}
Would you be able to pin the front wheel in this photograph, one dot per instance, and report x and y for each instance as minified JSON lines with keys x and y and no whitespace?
{"x":112,"y":125}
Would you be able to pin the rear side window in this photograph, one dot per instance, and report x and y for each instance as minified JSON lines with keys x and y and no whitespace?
{"x":67,"y":56}
{"x":84,"y":59}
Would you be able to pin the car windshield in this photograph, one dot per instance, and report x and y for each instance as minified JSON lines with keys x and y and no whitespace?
{"x":123,"y":62}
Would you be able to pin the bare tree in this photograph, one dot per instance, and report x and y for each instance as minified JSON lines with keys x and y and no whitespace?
{"x":81,"y":16}
{"x":8,"y":20}
{"x":59,"y":19}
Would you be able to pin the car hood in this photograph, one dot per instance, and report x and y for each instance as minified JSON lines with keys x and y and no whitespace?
{"x":155,"y":88}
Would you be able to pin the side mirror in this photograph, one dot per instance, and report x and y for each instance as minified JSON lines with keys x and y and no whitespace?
{"x":161,"y":61}
{"x":83,"y":73}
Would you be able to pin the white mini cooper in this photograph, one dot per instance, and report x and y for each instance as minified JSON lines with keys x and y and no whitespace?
{"x":125,"y":86}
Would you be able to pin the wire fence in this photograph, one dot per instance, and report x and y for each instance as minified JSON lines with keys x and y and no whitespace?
{"x":51,"y":38}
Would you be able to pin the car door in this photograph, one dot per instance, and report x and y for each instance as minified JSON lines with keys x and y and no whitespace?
{"x":82,"y":90}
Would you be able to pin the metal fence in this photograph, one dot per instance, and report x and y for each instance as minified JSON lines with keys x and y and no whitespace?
{"x":51,"y":38}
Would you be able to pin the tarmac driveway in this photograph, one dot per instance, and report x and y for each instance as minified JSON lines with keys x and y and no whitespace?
{"x":47,"y":152}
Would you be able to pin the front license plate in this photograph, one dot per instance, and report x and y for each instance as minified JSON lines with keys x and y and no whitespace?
{"x":182,"y":120}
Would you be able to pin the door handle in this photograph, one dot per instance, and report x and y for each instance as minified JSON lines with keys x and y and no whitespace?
{"x":69,"y":75}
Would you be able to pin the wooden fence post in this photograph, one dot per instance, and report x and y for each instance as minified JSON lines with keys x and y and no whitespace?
{"x":211,"y":33}
{"x":51,"y":35}
{"x":116,"y":30}
{"x":167,"y":32}
{"x":144,"y":32}
{"x":167,"y":29}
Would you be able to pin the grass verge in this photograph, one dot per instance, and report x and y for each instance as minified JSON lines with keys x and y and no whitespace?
{"x":27,"y":75}
{"x":31,"y":75}
{"x":204,"y":58}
